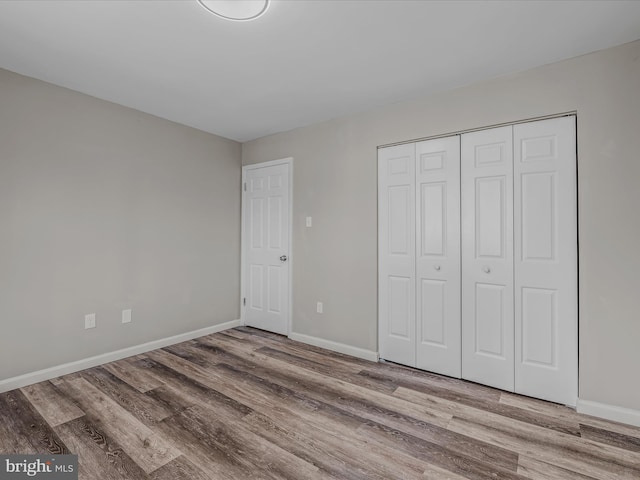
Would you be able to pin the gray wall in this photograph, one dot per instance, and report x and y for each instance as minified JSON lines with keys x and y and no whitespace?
{"x":335,"y":182}
{"x":104,"y":208}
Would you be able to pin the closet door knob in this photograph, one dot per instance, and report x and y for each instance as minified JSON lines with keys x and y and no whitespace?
{"x":437,"y":267}
{"x":486,"y":269}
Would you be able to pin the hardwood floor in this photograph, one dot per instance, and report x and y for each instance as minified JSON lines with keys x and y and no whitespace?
{"x":246,"y":404}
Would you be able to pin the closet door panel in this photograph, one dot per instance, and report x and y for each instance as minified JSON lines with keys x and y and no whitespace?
{"x":396,"y":245}
{"x":487,"y":257}
{"x":546,"y":328}
{"x":438,"y":255}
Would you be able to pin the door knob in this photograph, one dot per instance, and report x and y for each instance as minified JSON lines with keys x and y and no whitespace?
{"x":283,"y":258}
{"x":437,"y":267}
{"x":486,"y":269}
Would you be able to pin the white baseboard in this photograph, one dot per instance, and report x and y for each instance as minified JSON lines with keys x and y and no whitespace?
{"x":609,"y":412}
{"x":71,"y":367}
{"x":335,"y":346}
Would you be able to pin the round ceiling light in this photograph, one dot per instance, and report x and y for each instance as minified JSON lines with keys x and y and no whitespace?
{"x":236,"y":10}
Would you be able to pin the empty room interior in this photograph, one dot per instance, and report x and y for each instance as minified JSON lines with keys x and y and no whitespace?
{"x":317,"y":239}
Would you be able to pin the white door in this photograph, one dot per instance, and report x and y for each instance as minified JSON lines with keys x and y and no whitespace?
{"x":266,"y":225}
{"x":438,"y":255}
{"x":396,"y":254}
{"x":546,"y":317}
{"x":487,"y":257}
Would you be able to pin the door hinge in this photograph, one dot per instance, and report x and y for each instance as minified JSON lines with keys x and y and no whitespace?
{"x":245,"y":186}
{"x":244,"y":302}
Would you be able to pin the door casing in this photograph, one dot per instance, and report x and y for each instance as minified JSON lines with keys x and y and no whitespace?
{"x":243,"y":254}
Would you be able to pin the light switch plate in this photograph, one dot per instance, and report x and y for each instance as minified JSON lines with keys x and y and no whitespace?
{"x":90,"y":321}
{"x":126,"y":316}
{"x":309,"y":221}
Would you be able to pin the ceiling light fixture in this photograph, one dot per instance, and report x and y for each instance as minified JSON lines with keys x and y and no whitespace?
{"x":236,"y":10}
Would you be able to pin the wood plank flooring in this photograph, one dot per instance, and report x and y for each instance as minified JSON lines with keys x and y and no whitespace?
{"x":247,"y":404}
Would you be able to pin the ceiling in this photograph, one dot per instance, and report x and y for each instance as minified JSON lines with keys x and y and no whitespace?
{"x":301,"y":63}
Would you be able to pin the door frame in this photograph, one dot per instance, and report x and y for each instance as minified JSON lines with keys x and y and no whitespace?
{"x":243,"y":242}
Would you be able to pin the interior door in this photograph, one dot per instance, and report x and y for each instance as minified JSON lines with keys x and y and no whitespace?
{"x":266,"y":205}
{"x":546,"y":260}
{"x":438,"y":255}
{"x":487,"y":257}
{"x":396,"y":254}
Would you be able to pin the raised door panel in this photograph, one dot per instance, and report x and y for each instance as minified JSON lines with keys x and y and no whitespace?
{"x":274,"y":285}
{"x":275,"y":221}
{"x":400,"y":223}
{"x":539,"y":327}
{"x":487,"y":257}
{"x":538,"y":211}
{"x":489,"y":321}
{"x":438,"y":255}
{"x":433,"y":215}
{"x":256,"y":287}
{"x":490,"y":221}
{"x":432,"y":299}
{"x":396,"y":254}
{"x":400,"y":322}
{"x":546,"y":318}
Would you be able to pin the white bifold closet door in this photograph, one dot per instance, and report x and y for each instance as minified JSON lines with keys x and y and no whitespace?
{"x":546,"y":260}
{"x":519,"y":259}
{"x":397,"y":254}
{"x":478,"y":257}
{"x":487,"y":258}
{"x":419,"y":254}
{"x":438,"y":255}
